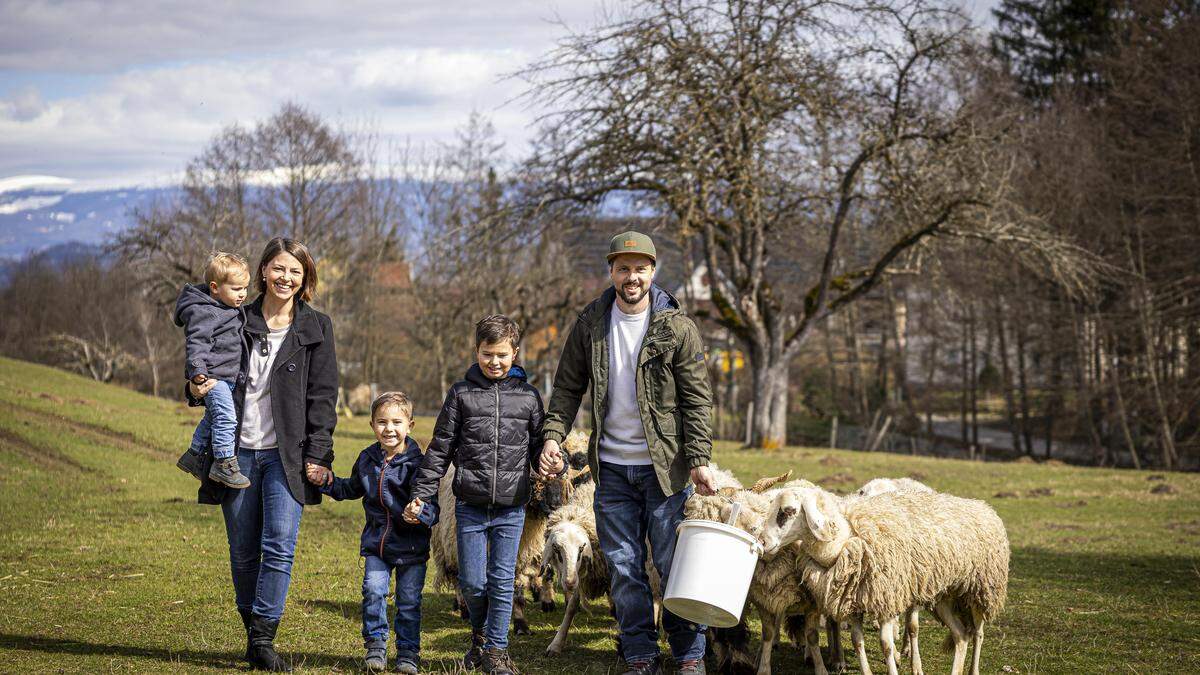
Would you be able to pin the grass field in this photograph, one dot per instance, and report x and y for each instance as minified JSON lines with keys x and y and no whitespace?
{"x":108,"y":564}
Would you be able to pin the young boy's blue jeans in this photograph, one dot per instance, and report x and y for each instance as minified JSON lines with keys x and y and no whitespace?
{"x":488,"y":537}
{"x":631,"y":508}
{"x":219,"y":422}
{"x":410,"y":581}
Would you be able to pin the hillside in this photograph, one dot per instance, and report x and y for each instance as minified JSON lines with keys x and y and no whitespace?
{"x":106,"y":562}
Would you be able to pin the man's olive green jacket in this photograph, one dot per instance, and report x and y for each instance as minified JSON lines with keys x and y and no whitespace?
{"x":673,"y":393}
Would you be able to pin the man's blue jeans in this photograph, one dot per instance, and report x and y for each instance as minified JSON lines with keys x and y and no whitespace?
{"x":631,"y":507}
{"x":410,"y":581}
{"x":488,"y":537}
{"x":219,"y":423}
{"x":261,"y":523}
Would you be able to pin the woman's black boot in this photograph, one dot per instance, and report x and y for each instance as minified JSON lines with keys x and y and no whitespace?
{"x":262,"y":646}
{"x":246,"y":623}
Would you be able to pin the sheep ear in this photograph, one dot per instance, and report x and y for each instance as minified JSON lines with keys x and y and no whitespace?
{"x":817,"y":522}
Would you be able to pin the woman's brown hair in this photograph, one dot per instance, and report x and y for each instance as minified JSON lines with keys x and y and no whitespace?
{"x":308,"y":287}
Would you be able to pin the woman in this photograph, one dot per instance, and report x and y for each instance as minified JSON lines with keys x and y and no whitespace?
{"x":286,"y":397}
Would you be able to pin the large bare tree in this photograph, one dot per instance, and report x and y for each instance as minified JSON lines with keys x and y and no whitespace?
{"x":810,"y":146}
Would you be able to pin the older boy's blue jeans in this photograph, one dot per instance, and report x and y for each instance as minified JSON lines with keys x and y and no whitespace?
{"x":218,"y":424}
{"x":630,"y":507}
{"x":410,"y":581}
{"x":262,"y":523}
{"x":488,"y":537}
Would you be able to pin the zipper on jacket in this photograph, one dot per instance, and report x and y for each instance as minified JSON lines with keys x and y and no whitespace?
{"x":386,"y":514}
{"x":496,"y":444}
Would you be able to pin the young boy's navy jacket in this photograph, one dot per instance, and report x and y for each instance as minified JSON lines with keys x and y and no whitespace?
{"x":384,"y":490}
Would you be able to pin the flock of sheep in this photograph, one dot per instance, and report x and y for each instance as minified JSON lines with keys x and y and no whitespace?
{"x":878,"y":555}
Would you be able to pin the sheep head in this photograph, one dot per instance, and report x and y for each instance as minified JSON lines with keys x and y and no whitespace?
{"x":807,"y":515}
{"x":567,"y":550}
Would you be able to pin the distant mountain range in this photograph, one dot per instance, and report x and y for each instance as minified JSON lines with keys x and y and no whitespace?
{"x":36,"y":218}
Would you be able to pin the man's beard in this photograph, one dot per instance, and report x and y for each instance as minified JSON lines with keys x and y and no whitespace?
{"x":637,"y":296}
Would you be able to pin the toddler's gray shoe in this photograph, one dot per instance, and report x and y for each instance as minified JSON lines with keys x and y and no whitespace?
{"x":226,"y":472}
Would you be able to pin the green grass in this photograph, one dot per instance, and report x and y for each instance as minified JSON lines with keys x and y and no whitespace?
{"x":107,"y":563}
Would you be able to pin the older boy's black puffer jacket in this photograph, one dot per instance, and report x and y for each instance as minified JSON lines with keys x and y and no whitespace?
{"x":492,"y":431}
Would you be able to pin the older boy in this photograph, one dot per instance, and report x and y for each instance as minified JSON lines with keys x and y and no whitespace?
{"x":491,"y":428}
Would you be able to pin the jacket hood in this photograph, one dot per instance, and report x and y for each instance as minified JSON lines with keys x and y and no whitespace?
{"x":475,"y":375}
{"x":192,"y":296}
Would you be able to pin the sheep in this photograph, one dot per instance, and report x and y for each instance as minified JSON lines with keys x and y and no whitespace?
{"x":912,"y":624}
{"x":879,"y":556}
{"x":776,"y":589}
{"x":572,"y":553}
{"x":546,"y":496}
{"x":879,"y":486}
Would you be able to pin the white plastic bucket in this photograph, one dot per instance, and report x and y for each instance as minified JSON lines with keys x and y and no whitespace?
{"x":711,"y":573}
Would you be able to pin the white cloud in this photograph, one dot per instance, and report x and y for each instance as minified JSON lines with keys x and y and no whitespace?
{"x":14,"y":183}
{"x":28,"y":204}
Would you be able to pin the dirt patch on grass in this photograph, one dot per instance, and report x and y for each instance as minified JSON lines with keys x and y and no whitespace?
{"x":1040,"y":492}
{"x":837,"y":479}
{"x":1074,"y":504}
{"x":1063,"y":526}
{"x":45,"y":458}
{"x":1164,"y":489}
{"x":830,"y":460}
{"x":119,"y":439}
{"x":1191,"y":527}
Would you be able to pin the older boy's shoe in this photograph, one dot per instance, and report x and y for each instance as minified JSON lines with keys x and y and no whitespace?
{"x":226,"y":472}
{"x":498,"y":662}
{"x":474,"y":656}
{"x":644,"y":667}
{"x":690,"y":667}
{"x":376,"y":658}
{"x":191,"y":462}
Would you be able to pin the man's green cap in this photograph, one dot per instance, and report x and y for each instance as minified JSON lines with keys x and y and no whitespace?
{"x":631,"y":242}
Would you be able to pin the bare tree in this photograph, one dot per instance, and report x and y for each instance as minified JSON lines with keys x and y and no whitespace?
{"x":761,"y":124}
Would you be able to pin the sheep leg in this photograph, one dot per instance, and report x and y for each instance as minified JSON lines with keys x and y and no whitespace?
{"x":770,"y":633}
{"x":545,"y":593}
{"x":812,"y":641}
{"x":520,"y":625}
{"x":461,"y":605}
{"x":977,"y":640}
{"x":912,"y":628}
{"x":560,"y":638}
{"x":945,"y":611}
{"x":887,"y":644}
{"x":860,"y":648}
{"x":833,"y":632}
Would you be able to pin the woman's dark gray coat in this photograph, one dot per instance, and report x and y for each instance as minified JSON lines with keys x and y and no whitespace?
{"x":304,"y":388}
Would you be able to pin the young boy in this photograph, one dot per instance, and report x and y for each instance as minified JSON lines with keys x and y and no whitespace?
{"x":392,"y":540}
{"x":212,"y":321}
{"x":490,"y":427}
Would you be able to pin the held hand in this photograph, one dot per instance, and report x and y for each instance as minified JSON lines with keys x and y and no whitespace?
{"x":551,"y":462}
{"x":702,"y":479}
{"x":201,"y":390}
{"x":412,"y":511}
{"x":318,"y":475}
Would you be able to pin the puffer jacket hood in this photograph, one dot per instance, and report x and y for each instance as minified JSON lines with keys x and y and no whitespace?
{"x":491,"y":430}
{"x":385,"y":489}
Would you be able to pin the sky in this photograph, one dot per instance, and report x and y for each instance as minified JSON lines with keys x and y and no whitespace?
{"x":118,"y":93}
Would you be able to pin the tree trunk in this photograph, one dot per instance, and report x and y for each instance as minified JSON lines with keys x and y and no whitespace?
{"x":1006,"y":379}
{"x":769,"y":428}
{"x":973,"y":348}
{"x":1023,"y":388}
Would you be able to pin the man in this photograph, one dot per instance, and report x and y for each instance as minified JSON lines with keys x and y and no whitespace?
{"x":651,"y":403}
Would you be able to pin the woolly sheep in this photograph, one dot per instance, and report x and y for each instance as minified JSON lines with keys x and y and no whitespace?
{"x":776,"y":590}
{"x":876,"y":557}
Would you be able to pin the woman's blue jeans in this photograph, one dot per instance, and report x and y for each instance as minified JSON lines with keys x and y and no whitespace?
{"x":261,"y":522}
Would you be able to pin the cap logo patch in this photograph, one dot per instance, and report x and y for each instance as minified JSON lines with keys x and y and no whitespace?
{"x":629,"y":243}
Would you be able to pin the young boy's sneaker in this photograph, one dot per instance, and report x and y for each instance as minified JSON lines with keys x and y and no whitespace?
{"x":498,"y":662}
{"x":474,"y":656}
{"x":226,"y":472}
{"x":407,"y":665}
{"x":376,"y":657}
